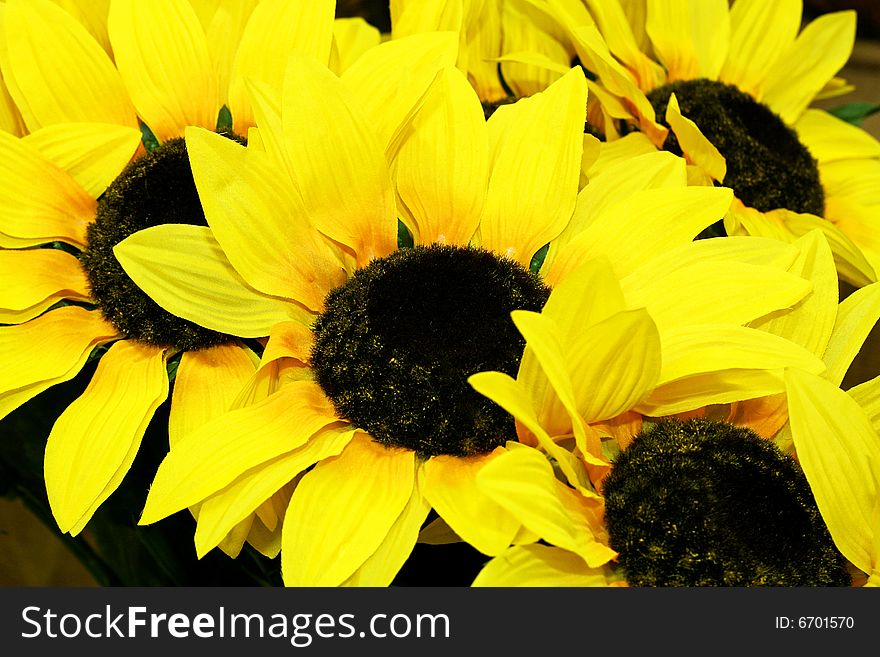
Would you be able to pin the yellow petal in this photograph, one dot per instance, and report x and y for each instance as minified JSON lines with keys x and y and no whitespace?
{"x":223,"y":23}
{"x":811,"y":321}
{"x":61,"y":73}
{"x":840,"y":454}
{"x":752,"y":51}
{"x":219,"y":514}
{"x":616,"y":28}
{"x":818,"y":53}
{"x":524,"y":34}
{"x":167,"y":71}
{"x":618,"y":179}
{"x":45,"y":351}
{"x":540,"y":565}
{"x":289,"y":340}
{"x":94,"y":441}
{"x":338,"y":162}
{"x":214,"y":455}
{"x":852,"y":265}
{"x":343,"y":510}
{"x":260,"y":222}
{"x":595,"y":371}
{"x":93,"y":16}
{"x":689,"y":38}
{"x":512,"y":396}
{"x":867,"y":395}
{"x":34,"y":279}
{"x":39,"y":200}
{"x":390,"y":80}
{"x":536,"y":155}
{"x":594,"y":53}
{"x":621,"y":150}
{"x":451,"y":488}
{"x":522,"y":482}
{"x":829,"y":139}
{"x":642,"y":226}
{"x":185,"y":271}
{"x":384,"y":564}
{"x":352,"y":37}
{"x":206,"y":384}
{"x":276,"y":29}
{"x":689,"y":294}
{"x":696,"y":148}
{"x":719,"y":364}
{"x":443,"y":167}
{"x":856,"y":317}
{"x":94,"y":154}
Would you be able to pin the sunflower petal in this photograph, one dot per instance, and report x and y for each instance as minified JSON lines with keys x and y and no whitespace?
{"x":840,"y":454}
{"x":617,"y":179}
{"x":338,"y":163}
{"x":688,"y":294}
{"x":206,"y":384}
{"x":39,"y":200}
{"x":384,"y":564}
{"x":94,"y":154}
{"x":510,"y":395}
{"x":276,"y":29}
{"x":94,"y":441}
{"x":219,"y":514}
{"x":185,"y":271}
{"x":540,"y":565}
{"x":829,"y":139}
{"x":47,"y":350}
{"x":690,"y":38}
{"x":856,"y":317}
{"x":696,"y":147}
{"x":260,"y":223}
{"x":34,"y":279}
{"x":719,"y":364}
{"x":535,"y":169}
{"x":218,"y":452}
{"x":443,"y":167}
{"x":389,"y":81}
{"x":61,"y":73}
{"x":352,"y":37}
{"x":660,"y":220}
{"x":852,"y":265}
{"x":343,"y":510}
{"x":818,"y":53}
{"x":451,"y":488}
{"x":168,"y":72}
{"x":522,"y":482}
{"x":751,"y":53}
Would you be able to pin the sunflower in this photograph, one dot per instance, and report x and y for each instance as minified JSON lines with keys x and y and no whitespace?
{"x":103,"y":137}
{"x":705,"y":83}
{"x":816,"y":323}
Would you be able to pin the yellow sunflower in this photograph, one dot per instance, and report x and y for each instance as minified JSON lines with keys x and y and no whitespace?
{"x":388,"y":452}
{"x":737,"y":106}
{"x":549,"y":409}
{"x":81,"y":181}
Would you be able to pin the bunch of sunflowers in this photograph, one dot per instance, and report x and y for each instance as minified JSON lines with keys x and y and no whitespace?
{"x":532,"y":292}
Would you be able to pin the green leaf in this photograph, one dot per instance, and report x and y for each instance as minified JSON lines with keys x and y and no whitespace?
{"x":224,"y":121}
{"x":855,"y":112}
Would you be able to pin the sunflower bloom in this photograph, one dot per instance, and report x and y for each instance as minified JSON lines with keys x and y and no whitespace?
{"x":401,"y":466}
{"x":103,"y":135}
{"x":736,"y":105}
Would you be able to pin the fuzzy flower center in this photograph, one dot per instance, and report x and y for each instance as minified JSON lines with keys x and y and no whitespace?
{"x":396,"y":343}
{"x":157,"y":188}
{"x":767,"y":166}
{"x":702,"y":503}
